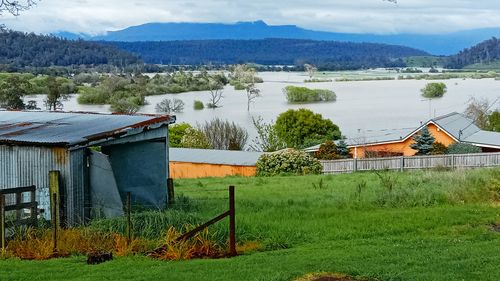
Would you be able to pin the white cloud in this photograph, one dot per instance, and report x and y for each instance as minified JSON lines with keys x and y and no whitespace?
{"x":373,"y":16}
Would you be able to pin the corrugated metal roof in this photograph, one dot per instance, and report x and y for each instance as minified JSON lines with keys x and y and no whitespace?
{"x":457,"y":125}
{"x":72,"y":128}
{"x":485,"y":137}
{"x":212,"y":156}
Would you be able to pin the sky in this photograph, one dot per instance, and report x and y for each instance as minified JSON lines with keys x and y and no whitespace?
{"x":358,"y":16}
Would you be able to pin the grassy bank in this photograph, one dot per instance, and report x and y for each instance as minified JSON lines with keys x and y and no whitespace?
{"x":425,"y":225}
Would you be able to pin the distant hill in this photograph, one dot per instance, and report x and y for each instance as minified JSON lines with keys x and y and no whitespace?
{"x":20,"y":50}
{"x":326,"y":54}
{"x":483,"y":54}
{"x":439,"y":44}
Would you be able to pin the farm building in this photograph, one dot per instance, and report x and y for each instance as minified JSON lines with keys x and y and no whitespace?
{"x":100,"y":157}
{"x":198,"y":163}
{"x":446,"y":129}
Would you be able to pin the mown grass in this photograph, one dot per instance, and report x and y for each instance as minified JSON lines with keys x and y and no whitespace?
{"x":425,"y":225}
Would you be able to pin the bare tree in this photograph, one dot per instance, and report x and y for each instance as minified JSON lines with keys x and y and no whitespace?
{"x":170,"y":106}
{"x":267,"y":139}
{"x":15,"y":7}
{"x":246,"y":78}
{"x":479,"y":110}
{"x":215,"y":88}
{"x":310,"y":69}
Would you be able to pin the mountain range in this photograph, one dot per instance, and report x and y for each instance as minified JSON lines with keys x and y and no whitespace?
{"x":436,"y":44}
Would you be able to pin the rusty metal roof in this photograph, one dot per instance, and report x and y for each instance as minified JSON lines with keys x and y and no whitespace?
{"x":72,"y":128}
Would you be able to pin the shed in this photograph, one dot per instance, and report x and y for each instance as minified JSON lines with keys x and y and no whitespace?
{"x":100,"y":158}
{"x":199,"y":163}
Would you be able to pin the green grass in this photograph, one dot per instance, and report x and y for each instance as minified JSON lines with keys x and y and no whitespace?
{"x":432,"y":225}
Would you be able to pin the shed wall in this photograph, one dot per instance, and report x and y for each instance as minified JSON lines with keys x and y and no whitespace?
{"x":28,"y":165}
{"x":186,"y":170}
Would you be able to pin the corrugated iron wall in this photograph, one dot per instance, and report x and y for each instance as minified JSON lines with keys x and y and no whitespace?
{"x":29,"y":165}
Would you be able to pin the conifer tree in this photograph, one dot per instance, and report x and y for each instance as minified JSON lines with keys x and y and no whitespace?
{"x":423,"y":142}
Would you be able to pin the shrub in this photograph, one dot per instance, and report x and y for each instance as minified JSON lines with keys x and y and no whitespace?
{"x":176,"y":132}
{"x":198,"y":105}
{"x":288,"y":161}
{"x":434,"y":90}
{"x":463,"y":148}
{"x":194,"y":138}
{"x":438,"y":149}
{"x":224,"y":134}
{"x":303,"y":95}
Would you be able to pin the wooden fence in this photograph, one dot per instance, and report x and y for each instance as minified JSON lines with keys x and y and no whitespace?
{"x":412,"y":162}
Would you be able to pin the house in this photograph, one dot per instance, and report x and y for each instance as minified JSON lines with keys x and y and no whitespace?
{"x":446,"y":129}
{"x":100,"y":157}
{"x":198,"y":163}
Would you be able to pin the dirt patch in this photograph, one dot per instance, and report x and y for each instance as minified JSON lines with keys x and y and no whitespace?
{"x":495,"y":227}
{"x":331,"y":277}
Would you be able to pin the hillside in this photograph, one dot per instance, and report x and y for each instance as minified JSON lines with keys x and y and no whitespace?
{"x":481,"y":55}
{"x":20,"y":50}
{"x":436,"y":44}
{"x":326,"y":54}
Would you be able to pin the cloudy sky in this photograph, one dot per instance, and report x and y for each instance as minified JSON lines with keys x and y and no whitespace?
{"x":371,"y":16}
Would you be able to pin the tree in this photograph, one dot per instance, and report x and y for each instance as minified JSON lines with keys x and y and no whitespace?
{"x":215,"y":88}
{"x":194,"y":138}
{"x":12,"y":91}
{"x":170,"y":106}
{"x":434,"y":90}
{"x":494,"y":121}
{"x":267,"y":139}
{"x":463,"y":148}
{"x":224,"y":135}
{"x":423,"y":142}
{"x":245,"y":78}
{"x":302,"y":127}
{"x":327,"y":151}
{"x":176,"y":132}
{"x":479,"y":110}
{"x":14,"y":7}
{"x":59,"y":90}
{"x":310,"y":69}
{"x":343,"y":150}
{"x":124,"y":106}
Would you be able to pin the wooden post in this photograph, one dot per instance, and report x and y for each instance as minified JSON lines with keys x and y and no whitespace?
{"x":53,"y":214}
{"x":170,"y":191}
{"x":2,"y":221}
{"x":33,"y":210}
{"x":54,"y":179}
{"x":355,"y":165}
{"x":232,"y":223}
{"x":129,"y":219}
{"x":402,"y":164}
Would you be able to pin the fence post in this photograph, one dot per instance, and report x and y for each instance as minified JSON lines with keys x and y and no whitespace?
{"x":402,"y":163}
{"x":452,"y":161}
{"x":53,"y":214}
{"x":129,"y":219}
{"x":2,"y":221}
{"x":170,"y":191}
{"x":232,"y":223}
{"x":54,"y":191}
{"x":355,"y":165}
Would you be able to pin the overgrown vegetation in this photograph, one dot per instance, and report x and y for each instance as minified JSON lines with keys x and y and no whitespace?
{"x":434,"y":219}
{"x":305,"y":95}
{"x":289,"y":161}
{"x":434,"y":90}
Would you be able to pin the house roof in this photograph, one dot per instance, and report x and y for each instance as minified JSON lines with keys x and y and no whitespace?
{"x":72,"y":128}
{"x":456,"y":125}
{"x":212,"y":156}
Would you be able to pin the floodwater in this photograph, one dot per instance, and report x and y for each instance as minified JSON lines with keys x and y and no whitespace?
{"x":360,"y":105}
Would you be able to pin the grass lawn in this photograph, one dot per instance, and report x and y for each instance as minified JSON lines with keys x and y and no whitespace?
{"x":426,"y":225}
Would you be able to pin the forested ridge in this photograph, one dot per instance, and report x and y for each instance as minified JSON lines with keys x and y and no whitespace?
{"x":485,"y":52}
{"x":334,"y":55}
{"x":20,"y":50}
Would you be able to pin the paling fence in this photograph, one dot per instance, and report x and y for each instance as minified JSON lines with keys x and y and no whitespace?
{"x":412,"y":162}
